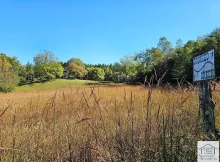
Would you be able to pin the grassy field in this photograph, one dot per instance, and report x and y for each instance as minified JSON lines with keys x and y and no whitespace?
{"x":100,"y":123}
{"x":58,"y":83}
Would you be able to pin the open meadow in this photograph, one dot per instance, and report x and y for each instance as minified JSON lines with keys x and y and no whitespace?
{"x":109,"y":81}
{"x":101,"y":123}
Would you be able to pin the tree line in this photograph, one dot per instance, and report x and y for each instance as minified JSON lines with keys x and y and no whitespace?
{"x":164,"y":61}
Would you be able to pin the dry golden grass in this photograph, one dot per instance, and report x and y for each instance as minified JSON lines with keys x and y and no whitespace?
{"x":100,"y":123}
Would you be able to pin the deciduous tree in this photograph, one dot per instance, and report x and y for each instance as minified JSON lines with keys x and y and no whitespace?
{"x":8,"y":76}
{"x":46,"y":66}
{"x":76,"y":68}
{"x":97,"y":74}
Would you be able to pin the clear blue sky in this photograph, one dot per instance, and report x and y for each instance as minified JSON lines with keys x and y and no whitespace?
{"x":100,"y":31}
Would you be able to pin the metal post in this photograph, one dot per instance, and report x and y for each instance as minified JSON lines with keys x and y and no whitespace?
{"x":207,"y":108}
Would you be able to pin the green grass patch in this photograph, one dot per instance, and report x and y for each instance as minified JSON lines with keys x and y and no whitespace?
{"x":53,"y":84}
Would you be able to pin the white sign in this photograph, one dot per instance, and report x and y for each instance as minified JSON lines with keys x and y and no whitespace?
{"x":204,"y":66}
{"x":208,"y":151}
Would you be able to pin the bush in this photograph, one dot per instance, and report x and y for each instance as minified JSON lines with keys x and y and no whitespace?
{"x":49,"y":76}
{"x":22,"y":81}
{"x":8,"y":84}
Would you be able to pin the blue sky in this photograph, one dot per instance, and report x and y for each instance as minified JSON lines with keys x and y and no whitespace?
{"x":99,"y":31}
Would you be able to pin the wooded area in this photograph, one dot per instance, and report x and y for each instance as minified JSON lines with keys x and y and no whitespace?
{"x":174,"y":62}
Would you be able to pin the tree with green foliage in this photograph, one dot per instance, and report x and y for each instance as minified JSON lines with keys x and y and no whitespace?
{"x":179,"y":43}
{"x":117,"y":70}
{"x":29,"y":68}
{"x":158,"y":61}
{"x":29,"y":71}
{"x":8,"y":75}
{"x":182,"y":61}
{"x":164,"y":45}
{"x":18,"y":67}
{"x":108,"y":74}
{"x":46,"y":67}
{"x":129,"y":65}
{"x":97,"y":74}
{"x":150,"y":60}
{"x":76,"y":68}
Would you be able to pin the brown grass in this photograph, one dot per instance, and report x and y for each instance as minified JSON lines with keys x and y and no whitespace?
{"x":100,"y":123}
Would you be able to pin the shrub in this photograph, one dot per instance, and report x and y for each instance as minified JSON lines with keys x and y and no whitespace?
{"x":22,"y":81}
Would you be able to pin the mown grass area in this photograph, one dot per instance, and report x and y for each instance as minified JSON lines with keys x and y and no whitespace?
{"x":53,"y":84}
{"x":101,"y":123}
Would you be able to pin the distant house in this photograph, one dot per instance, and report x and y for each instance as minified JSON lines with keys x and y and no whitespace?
{"x":65,"y":74}
{"x":30,"y":77}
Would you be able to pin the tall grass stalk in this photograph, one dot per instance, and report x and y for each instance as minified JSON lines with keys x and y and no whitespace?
{"x":104,"y":123}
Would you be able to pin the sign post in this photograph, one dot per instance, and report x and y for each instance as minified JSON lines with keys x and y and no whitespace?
{"x":204,"y":70}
